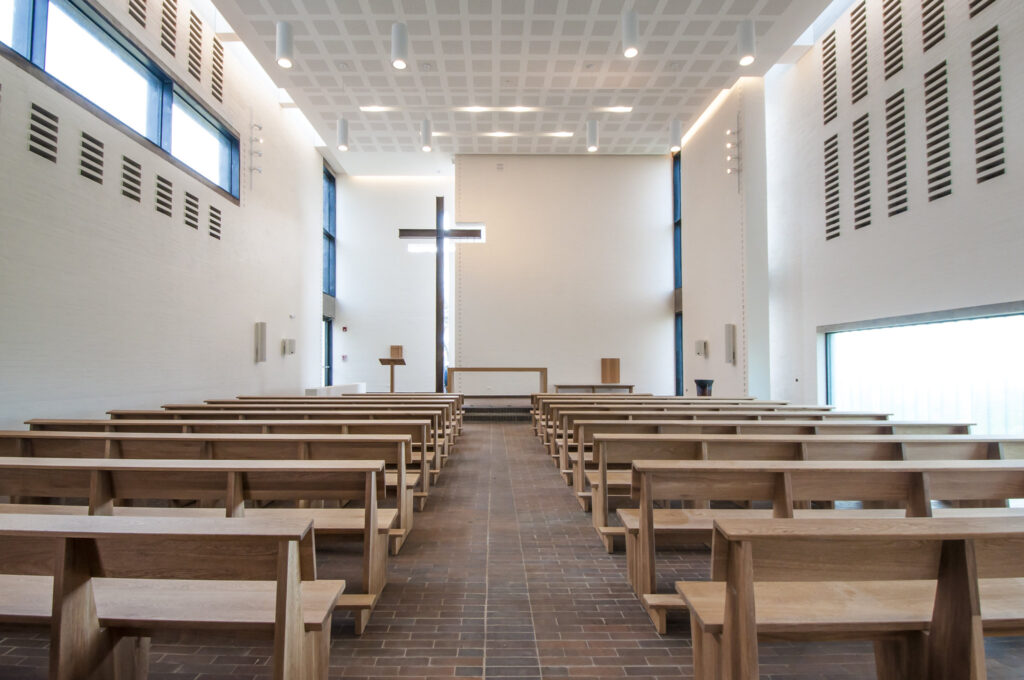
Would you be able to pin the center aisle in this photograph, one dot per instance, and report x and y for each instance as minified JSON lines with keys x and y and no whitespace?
{"x":503,"y":577}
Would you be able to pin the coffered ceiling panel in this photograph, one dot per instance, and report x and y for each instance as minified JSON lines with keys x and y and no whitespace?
{"x":559,"y":61}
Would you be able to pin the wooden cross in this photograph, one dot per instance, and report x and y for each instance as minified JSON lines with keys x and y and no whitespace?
{"x":439,"y":234}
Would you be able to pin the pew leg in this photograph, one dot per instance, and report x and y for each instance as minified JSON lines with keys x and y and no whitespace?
{"x":902,"y":658}
{"x":317,"y":651}
{"x":361,"y":617}
{"x":659,"y":617}
{"x":705,"y":650}
{"x":131,"y":657}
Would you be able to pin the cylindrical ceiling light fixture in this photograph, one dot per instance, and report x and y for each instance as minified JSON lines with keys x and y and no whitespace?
{"x":591,"y":135}
{"x":630,"y":33}
{"x":426,"y":134}
{"x":399,"y":45}
{"x":675,"y":135}
{"x":746,"y":40}
{"x":342,"y":134}
{"x":285,"y":44}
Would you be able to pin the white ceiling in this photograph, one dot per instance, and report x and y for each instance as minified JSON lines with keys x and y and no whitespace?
{"x":563,"y":57}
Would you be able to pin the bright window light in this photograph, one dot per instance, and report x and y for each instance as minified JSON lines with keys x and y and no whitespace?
{"x":76,"y":56}
{"x":195,"y":142}
{"x":963,"y":371}
{"x":7,"y":22}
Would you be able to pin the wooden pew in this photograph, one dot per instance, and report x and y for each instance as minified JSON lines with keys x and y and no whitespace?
{"x":103,"y":483}
{"x":103,"y":584}
{"x":788,"y":485}
{"x":439,"y":444}
{"x":417,"y":430}
{"x":457,"y":400}
{"x":584,"y":431}
{"x":925,"y":591}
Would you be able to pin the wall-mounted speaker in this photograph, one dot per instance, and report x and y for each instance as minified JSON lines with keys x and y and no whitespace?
{"x":288,"y":346}
{"x":730,"y":343}
{"x":701,"y":348}
{"x":261,"y":341}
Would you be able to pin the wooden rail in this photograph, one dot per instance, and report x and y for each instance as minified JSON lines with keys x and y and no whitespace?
{"x":452,"y":370}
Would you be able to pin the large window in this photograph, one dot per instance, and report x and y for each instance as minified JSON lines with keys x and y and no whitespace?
{"x":967,"y":370}
{"x":327,"y":348}
{"x":677,"y":262}
{"x":330,"y":233}
{"x":73,"y":43}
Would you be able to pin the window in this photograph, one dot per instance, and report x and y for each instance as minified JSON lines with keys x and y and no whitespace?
{"x":73,"y":43}
{"x":677,"y":261}
{"x":965,"y":370}
{"x":330,"y":233}
{"x":327,"y":345}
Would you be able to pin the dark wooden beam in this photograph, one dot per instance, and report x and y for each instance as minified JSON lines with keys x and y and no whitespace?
{"x":466,"y":233}
{"x":439,"y":234}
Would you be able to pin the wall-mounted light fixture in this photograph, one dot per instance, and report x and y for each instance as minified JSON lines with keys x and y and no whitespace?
{"x":285,"y":44}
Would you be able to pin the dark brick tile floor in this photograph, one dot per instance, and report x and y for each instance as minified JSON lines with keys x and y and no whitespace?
{"x":503,"y":577}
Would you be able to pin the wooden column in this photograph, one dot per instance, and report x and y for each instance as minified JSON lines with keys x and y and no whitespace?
{"x":439,"y":300}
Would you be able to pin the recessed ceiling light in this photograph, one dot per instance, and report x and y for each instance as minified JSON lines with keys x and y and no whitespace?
{"x":499,"y":133}
{"x":617,"y":109}
{"x":560,"y":133}
{"x":376,"y":109}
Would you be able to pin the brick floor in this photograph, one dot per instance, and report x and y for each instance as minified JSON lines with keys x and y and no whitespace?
{"x":502,"y":577}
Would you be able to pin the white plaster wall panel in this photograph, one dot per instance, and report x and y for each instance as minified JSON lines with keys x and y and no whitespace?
{"x":724,"y":259}
{"x":386,"y":292}
{"x":106,"y":303}
{"x":959,"y":251}
{"x":577,"y":266}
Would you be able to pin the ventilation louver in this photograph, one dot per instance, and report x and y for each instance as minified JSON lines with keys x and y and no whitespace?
{"x":896,"y":153}
{"x":42,"y":133}
{"x":861,"y":173}
{"x":90,"y":162}
{"x":217,"y":71}
{"x":191,"y":211}
{"x":164,"y":196}
{"x":169,"y":26}
{"x":195,"y":46}
{"x":892,"y":36}
{"x":215,"y":222}
{"x":859,"y":52}
{"x":933,"y":22}
{"x":137,"y":11}
{"x":829,"y":78}
{"x":978,"y":6}
{"x":832,"y":187}
{"x":936,"y":123}
{"x":131,"y":179}
{"x":989,"y":142}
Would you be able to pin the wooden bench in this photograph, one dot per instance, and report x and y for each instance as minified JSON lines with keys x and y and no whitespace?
{"x":438,"y":445}
{"x":103,"y":584}
{"x":102,"y":484}
{"x":420,"y":457}
{"x":584,"y":431}
{"x":925,"y":591}
{"x":790,"y":486}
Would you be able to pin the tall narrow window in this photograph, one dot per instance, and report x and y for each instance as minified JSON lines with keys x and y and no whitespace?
{"x":16,"y":24}
{"x":327,"y":345}
{"x":677,"y":262}
{"x":330,"y":232}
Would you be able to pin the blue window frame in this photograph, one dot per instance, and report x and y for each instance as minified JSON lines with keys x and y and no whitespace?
{"x":330,"y":233}
{"x":327,"y":343}
{"x":72,"y":42}
{"x":677,"y":262}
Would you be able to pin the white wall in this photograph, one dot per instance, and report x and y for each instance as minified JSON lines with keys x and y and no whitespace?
{"x":723,"y":244}
{"x":386,"y":293}
{"x":105,"y":303}
{"x":577,"y":266}
{"x":960,"y":251}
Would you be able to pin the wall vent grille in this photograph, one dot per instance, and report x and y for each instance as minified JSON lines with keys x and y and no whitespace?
{"x":215,"y":222}
{"x":832,"y":187}
{"x":191,"y":211}
{"x":989,"y":141}
{"x":861,"y":173}
{"x":43,"y":127}
{"x":164,"y":196}
{"x":859,"y":51}
{"x":933,"y":22}
{"x":217,"y":71}
{"x":169,"y":26}
{"x":90,"y":162}
{"x":137,"y":11}
{"x":896,"y":153}
{"x":830,"y":78}
{"x":195,"y":46}
{"x":977,"y":6}
{"x":936,"y":124}
{"x":892,"y":36}
{"x":131,"y":179}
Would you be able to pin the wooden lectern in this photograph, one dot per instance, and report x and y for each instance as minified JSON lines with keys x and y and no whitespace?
{"x":394,"y":360}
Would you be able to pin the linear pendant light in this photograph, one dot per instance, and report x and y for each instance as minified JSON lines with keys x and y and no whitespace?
{"x":285,"y":44}
{"x":399,"y":45}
